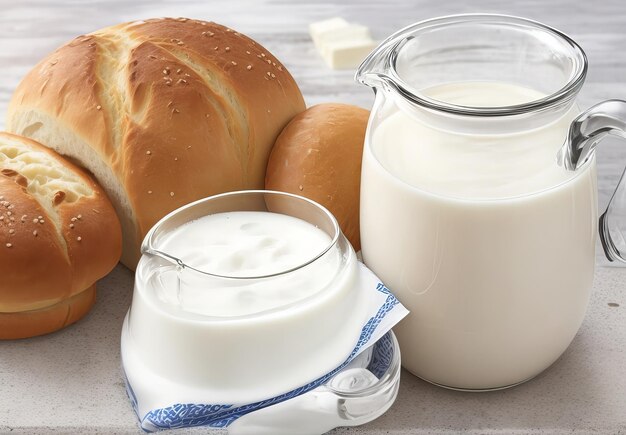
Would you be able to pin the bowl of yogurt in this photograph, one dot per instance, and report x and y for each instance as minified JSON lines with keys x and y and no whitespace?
{"x":240,"y":298}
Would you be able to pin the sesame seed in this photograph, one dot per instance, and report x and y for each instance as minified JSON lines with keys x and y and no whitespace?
{"x":227,"y":49}
{"x":179,"y":43}
{"x":80,"y":216}
{"x":166,"y":71}
{"x":178,"y":71}
{"x":71,"y":226}
{"x":273,"y":76}
{"x":176,"y":111}
{"x":268,"y":61}
{"x":300,"y":187}
{"x":9,"y":245}
{"x":35,"y":233}
{"x":1,"y":218}
{"x":24,"y":217}
{"x":233,"y":62}
{"x":249,"y":67}
{"x":171,"y":193}
{"x":262,"y":54}
{"x":175,"y":159}
{"x":247,"y":52}
{"x":39,"y":217}
{"x":73,"y":219}
{"x":54,"y":62}
{"x":149,"y":192}
{"x":41,"y":221}
{"x":98,"y":107}
{"x":183,"y":81}
{"x":35,"y":220}
{"x":228,"y":30}
{"x":148,"y":152}
{"x":11,"y":231}
{"x":168,"y":83}
{"x":152,"y":56}
{"x":79,"y":238}
{"x":269,"y":73}
{"x":280,"y":68}
{"x":9,"y":213}
{"x":216,"y":48}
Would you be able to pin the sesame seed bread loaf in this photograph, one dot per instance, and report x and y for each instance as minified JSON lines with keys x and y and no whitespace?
{"x":318,"y":155}
{"x":58,"y":235}
{"x":163,"y":112}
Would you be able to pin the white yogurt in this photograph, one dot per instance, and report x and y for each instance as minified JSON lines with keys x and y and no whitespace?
{"x":246,"y":244}
{"x":231,"y":329}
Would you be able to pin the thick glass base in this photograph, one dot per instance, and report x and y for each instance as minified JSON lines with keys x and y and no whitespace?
{"x":472,"y":390}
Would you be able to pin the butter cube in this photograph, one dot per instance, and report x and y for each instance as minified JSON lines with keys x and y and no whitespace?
{"x":351,"y":32}
{"x":315,"y":29}
{"x":349,"y":53}
{"x":341,"y":44}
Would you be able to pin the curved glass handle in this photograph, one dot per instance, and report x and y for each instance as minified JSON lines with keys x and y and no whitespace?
{"x":586,"y":131}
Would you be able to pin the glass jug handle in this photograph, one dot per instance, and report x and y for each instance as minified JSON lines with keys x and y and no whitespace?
{"x":586,"y":131}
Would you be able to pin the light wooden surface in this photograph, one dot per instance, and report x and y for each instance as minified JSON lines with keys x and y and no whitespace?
{"x":70,"y":381}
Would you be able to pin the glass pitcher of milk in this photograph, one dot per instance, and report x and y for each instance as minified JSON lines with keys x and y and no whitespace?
{"x":478,"y":194}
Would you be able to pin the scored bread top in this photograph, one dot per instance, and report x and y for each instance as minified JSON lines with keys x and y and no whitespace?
{"x":162,"y":111}
{"x":58,"y":230}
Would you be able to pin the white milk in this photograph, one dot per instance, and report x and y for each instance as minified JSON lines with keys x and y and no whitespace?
{"x":246,"y":244}
{"x":483,"y":238}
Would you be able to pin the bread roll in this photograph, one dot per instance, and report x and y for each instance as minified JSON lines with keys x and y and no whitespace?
{"x":318,"y":155}
{"x":58,"y":235}
{"x":163,"y":112}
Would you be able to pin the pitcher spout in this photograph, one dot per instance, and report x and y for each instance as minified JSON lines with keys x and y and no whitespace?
{"x":375,"y":70}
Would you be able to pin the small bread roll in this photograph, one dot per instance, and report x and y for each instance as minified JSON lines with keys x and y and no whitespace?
{"x":58,"y":235}
{"x":318,"y":155}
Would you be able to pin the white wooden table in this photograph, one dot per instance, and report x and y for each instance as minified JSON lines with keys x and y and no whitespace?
{"x":70,"y":381}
